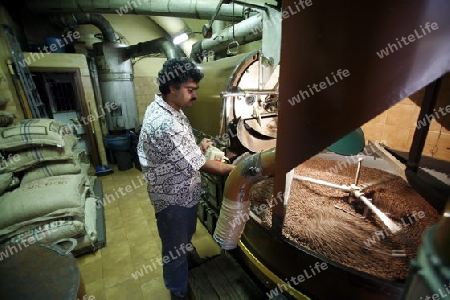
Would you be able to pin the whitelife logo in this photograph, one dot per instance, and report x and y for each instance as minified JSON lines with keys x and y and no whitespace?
{"x":108,"y":198}
{"x":53,"y":47}
{"x":302,"y":95}
{"x":130,"y":5}
{"x":353,"y":159}
{"x":97,"y":115}
{"x":439,"y":296}
{"x":164,"y":260}
{"x":244,"y":217}
{"x":435,"y":115}
{"x":313,"y":271}
{"x":300,"y":5}
{"x":11,"y":249}
{"x":403,"y":41}
{"x":406,"y":221}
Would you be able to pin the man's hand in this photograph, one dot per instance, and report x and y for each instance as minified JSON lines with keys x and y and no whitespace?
{"x":217,"y":168}
{"x":205,"y":144}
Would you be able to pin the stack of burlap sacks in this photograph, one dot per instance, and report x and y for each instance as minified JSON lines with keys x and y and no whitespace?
{"x":46,"y":193}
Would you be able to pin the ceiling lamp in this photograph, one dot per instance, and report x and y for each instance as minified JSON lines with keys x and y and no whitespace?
{"x":182,"y":37}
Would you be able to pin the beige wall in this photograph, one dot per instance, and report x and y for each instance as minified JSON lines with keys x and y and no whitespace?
{"x":145,"y":82}
{"x":396,"y":125}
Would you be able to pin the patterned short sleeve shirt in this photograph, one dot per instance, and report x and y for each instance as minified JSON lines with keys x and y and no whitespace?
{"x":170,"y":157}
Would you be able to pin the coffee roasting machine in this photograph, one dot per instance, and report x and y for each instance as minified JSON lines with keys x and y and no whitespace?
{"x":245,"y":110}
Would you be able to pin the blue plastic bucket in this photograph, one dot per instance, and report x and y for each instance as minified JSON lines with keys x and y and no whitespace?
{"x":117,"y":142}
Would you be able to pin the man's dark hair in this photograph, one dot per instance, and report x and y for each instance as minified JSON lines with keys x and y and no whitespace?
{"x":177,"y":71}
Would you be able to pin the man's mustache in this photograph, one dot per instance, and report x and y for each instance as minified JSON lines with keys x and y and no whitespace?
{"x":193,"y":99}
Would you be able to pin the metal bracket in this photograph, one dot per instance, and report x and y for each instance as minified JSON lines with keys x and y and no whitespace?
{"x":207,"y":29}
{"x":233,"y":48}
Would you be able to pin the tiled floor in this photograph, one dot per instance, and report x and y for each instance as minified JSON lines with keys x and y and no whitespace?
{"x":132,"y":243}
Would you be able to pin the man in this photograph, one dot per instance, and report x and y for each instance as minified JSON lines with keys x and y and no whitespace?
{"x":171,"y":162}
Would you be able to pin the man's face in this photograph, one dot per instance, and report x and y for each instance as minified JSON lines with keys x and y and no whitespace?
{"x":183,"y":97}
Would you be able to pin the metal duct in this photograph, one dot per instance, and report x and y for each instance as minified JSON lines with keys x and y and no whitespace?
{"x":199,"y":9}
{"x":115,"y":74}
{"x":75,"y":19}
{"x":235,"y":208}
{"x":115,"y":71}
{"x":218,"y":26}
{"x":244,"y":32}
{"x":154,"y":46}
{"x":174,"y":26}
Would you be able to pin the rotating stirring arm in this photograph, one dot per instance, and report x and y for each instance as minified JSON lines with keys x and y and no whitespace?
{"x":357,"y":191}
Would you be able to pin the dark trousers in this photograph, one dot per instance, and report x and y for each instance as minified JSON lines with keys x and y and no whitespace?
{"x":176,"y":225}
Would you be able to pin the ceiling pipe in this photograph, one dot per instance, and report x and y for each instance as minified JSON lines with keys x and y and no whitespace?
{"x":244,"y":32}
{"x":218,"y":26}
{"x":75,"y":19}
{"x":199,"y":9}
{"x":174,"y":26}
{"x":155,"y":46}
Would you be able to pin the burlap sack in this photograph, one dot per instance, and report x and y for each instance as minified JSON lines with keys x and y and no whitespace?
{"x":89,"y":237}
{"x":42,"y":200}
{"x":33,"y":132}
{"x":5,"y":181}
{"x":52,"y":168}
{"x":50,"y":232}
{"x":67,"y":227}
{"x":28,"y":158}
{"x":90,"y":218}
